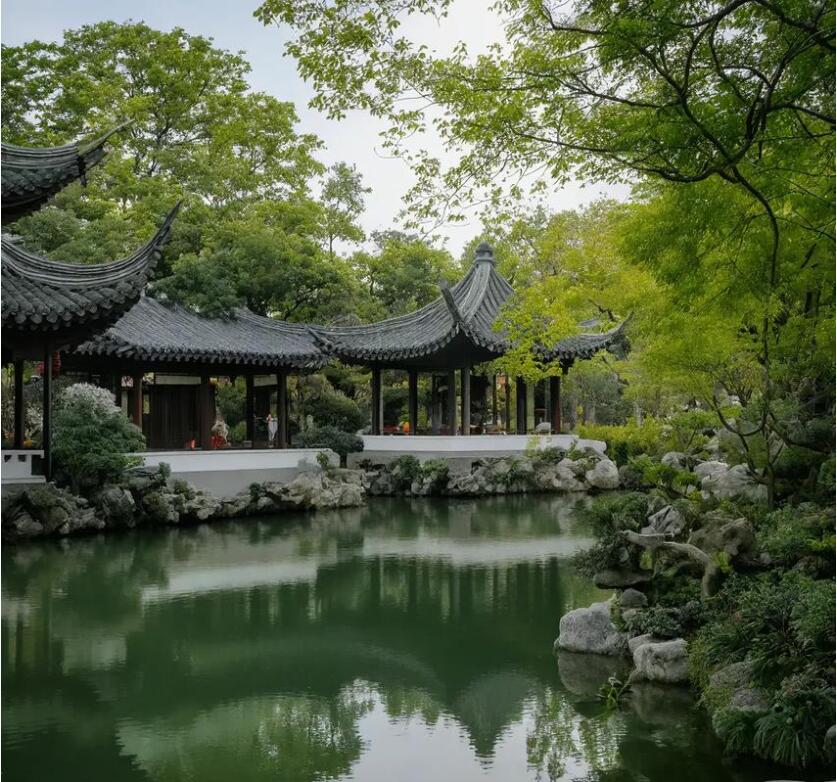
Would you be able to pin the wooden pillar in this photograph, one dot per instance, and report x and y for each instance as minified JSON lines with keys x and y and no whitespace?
{"x":412,"y":400}
{"x":555,"y":404}
{"x":206,"y":413}
{"x":520,"y":390}
{"x":452,"y":402}
{"x":494,"y":400}
{"x":47,"y":419}
{"x":465,"y":396}
{"x":507,"y":402}
{"x":377,"y":398}
{"x":282,"y":408}
{"x":117,"y":390}
{"x":136,"y":410}
{"x":20,"y":408}
{"x":249,"y":409}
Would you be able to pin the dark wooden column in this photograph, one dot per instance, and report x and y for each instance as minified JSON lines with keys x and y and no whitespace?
{"x":136,"y":411}
{"x":117,"y":390}
{"x":520,"y":389}
{"x":555,"y":404}
{"x":412,"y":399}
{"x":249,"y":409}
{"x":20,"y":408}
{"x":282,"y":408}
{"x":452,"y":402}
{"x":377,"y":406}
{"x":465,"y":391}
{"x":507,"y":402}
{"x":494,"y":400}
{"x":206,"y":413}
{"x":47,"y":419}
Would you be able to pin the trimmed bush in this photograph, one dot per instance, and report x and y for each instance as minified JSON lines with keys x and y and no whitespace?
{"x":342,"y":443}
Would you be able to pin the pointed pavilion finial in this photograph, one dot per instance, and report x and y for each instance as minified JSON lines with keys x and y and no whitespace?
{"x":484,"y":253}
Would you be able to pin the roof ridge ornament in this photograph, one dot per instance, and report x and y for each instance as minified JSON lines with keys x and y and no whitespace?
{"x":451,"y":304}
{"x":484,"y":253}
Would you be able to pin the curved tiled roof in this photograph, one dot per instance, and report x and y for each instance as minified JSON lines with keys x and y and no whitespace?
{"x":460,"y":322}
{"x":47,"y":297}
{"x":465,"y":313}
{"x":31,"y":176}
{"x":162,"y":333}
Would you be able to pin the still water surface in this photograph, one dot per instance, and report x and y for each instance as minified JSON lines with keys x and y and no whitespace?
{"x":407,"y":640}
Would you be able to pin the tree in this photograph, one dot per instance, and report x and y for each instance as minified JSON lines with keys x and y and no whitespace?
{"x":342,"y":198}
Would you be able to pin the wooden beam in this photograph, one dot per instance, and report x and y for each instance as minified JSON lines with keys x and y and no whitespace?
{"x":555,"y":404}
{"x":377,"y":406}
{"x":20,"y":408}
{"x":465,"y":381}
{"x":520,"y":391}
{"x":451,"y":403}
{"x":47,"y":419}
{"x":412,"y":400}
{"x":282,"y":408}
{"x":249,"y":409}
{"x":206,"y":415}
{"x":136,"y":412}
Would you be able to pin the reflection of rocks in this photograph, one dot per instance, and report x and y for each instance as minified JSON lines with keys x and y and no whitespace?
{"x":584,"y":674}
{"x":591,"y":630}
{"x":661,"y":704}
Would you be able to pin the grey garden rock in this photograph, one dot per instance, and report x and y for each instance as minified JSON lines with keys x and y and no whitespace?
{"x":632,"y":598}
{"x":639,"y":640}
{"x":732,"y":684}
{"x":604,"y":475}
{"x":675,"y":459}
{"x":729,"y":483}
{"x":591,"y":630}
{"x":620,"y":578}
{"x":661,"y":661}
{"x":668,"y":521}
{"x":736,"y":537}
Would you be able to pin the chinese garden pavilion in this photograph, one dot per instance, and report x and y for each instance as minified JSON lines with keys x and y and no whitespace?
{"x":47,"y":305}
{"x":453,"y":332}
{"x":174,"y":341}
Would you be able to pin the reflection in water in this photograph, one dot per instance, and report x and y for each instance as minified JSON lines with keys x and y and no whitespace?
{"x":404,"y":640}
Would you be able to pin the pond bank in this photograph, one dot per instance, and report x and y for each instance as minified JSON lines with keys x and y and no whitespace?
{"x":151,"y":497}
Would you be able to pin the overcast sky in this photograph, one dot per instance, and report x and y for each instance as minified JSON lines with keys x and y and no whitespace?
{"x":231,"y":24}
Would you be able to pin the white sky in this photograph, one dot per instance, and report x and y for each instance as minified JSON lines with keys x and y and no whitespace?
{"x":231,"y":24}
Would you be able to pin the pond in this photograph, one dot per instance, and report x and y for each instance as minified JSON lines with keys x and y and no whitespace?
{"x":407,"y":640}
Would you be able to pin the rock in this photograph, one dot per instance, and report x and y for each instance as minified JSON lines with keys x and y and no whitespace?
{"x":620,"y":578}
{"x":632,"y":598}
{"x":668,"y":521}
{"x":675,"y":459}
{"x":591,"y":630}
{"x":639,"y":640}
{"x":731,"y":685}
{"x":736,"y":538}
{"x":604,"y":475}
{"x":116,"y":505}
{"x":544,"y":427}
{"x":729,"y":483}
{"x":26,"y":527}
{"x":565,"y":478}
{"x":661,"y":661}
{"x":829,"y":742}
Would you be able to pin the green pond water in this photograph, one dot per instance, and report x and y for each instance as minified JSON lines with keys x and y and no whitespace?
{"x":407,"y":640}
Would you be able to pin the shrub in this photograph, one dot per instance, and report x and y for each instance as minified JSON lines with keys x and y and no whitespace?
{"x":92,"y":438}
{"x":438,"y":471}
{"x":627,"y":440}
{"x":342,"y":443}
{"x":790,"y":534}
{"x":405,"y":469}
{"x":616,"y":511}
{"x":658,"y":621}
{"x":608,"y":552}
{"x":542,"y":457}
{"x":334,"y":409}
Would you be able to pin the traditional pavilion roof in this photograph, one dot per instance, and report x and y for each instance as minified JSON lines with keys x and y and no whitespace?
{"x":31,"y":176}
{"x":61,"y":302}
{"x":587,"y":345}
{"x":160,"y":335}
{"x":457,"y":329}
{"x":454,"y":330}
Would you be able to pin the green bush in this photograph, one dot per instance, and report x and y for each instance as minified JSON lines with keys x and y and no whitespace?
{"x":438,"y":471}
{"x":92,"y":438}
{"x":405,"y":469}
{"x":334,"y":409}
{"x":790,"y":534}
{"x":658,"y":621}
{"x":342,"y":443}
{"x":616,"y":512}
{"x":627,"y":440}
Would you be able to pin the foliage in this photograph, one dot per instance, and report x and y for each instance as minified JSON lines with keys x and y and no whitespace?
{"x":406,"y":468}
{"x":627,"y":440}
{"x":789,"y":534}
{"x":438,"y":472}
{"x":616,"y":512}
{"x":323,"y":461}
{"x":92,"y":438}
{"x":657,"y":621}
{"x":613,"y":692}
{"x":342,"y":443}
